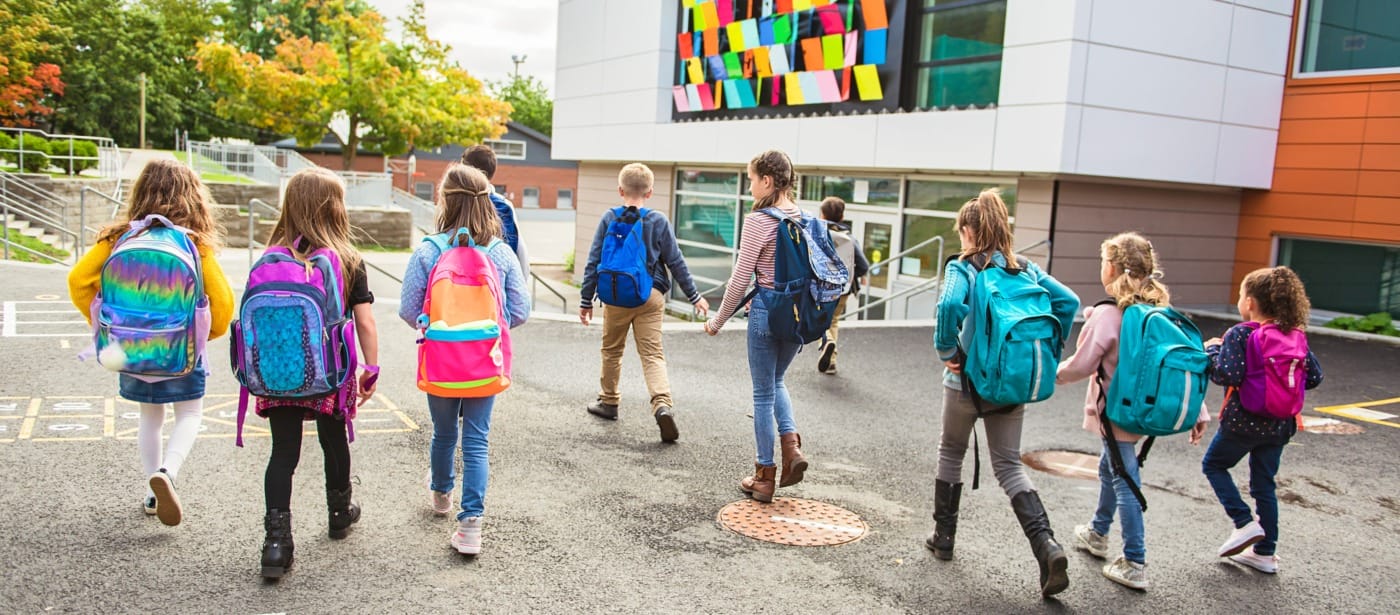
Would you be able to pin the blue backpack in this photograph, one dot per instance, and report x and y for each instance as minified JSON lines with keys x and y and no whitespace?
{"x":1160,"y":382}
{"x":623,"y":278}
{"x":808,"y":283}
{"x":1015,"y":338}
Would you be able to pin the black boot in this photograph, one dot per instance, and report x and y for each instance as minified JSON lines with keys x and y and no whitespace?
{"x":343,"y":511}
{"x":277,"y":546}
{"x":1053,"y":576}
{"x":945,"y":518}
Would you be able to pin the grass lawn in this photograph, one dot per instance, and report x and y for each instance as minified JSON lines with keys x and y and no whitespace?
{"x":35,"y":245}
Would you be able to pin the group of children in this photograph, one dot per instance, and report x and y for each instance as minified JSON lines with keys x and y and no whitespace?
{"x":634,"y":250}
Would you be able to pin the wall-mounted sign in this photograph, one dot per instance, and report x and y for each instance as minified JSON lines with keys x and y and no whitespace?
{"x":754,"y":54}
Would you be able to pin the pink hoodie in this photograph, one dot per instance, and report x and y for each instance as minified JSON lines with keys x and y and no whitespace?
{"x":1098,"y":345}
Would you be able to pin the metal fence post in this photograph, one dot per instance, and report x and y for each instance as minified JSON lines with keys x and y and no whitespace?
{"x":5,"y":221}
{"x":82,"y":221}
{"x":252,"y":223}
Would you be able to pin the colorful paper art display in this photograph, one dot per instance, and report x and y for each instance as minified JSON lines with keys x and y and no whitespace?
{"x":772,"y":53}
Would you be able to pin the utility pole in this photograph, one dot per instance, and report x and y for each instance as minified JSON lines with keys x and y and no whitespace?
{"x":142,"y":122}
{"x":518,"y":59}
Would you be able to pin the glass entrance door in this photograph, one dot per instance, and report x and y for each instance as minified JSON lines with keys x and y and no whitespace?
{"x":875,"y":232}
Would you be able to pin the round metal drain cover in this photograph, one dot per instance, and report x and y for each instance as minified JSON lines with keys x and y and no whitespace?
{"x":1069,"y":464}
{"x":1318,"y":424}
{"x":793,"y":521}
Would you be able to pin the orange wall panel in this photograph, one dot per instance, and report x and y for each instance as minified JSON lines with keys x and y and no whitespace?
{"x":1378,"y":183}
{"x":1382,"y":130}
{"x":1388,"y":233}
{"x":1384,"y":104}
{"x":1348,"y":130}
{"x":1380,"y":157}
{"x":1306,"y":206}
{"x":1324,"y":106}
{"x":1378,"y":210}
{"x":1316,"y":181}
{"x":1318,"y":156}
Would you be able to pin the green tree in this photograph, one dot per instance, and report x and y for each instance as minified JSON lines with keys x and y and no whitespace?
{"x":388,"y":95}
{"x":259,"y":26}
{"x":530,"y":102}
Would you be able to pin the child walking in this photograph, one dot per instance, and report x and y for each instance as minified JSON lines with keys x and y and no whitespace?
{"x":1129,"y":272}
{"x":1259,"y":416}
{"x":772,"y":181}
{"x":833,"y":211}
{"x":463,"y":203}
{"x":643,"y":253}
{"x":483,"y":158}
{"x":984,"y":227}
{"x":314,"y":218}
{"x":171,"y":190}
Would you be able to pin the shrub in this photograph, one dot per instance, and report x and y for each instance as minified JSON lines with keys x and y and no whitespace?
{"x":1379,"y":323}
{"x":36,"y":157}
{"x":6,"y":142}
{"x":84,"y":155}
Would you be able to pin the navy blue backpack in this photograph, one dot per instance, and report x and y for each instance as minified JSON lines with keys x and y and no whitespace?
{"x":623,"y":278}
{"x":808,"y":282}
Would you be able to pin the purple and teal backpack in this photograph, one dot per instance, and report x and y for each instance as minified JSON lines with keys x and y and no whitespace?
{"x":293,"y":339}
{"x":151,"y":317}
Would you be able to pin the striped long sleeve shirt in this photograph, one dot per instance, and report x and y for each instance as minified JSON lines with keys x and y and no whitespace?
{"x":757,"y":245}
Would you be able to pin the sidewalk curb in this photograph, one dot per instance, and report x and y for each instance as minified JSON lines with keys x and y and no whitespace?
{"x":1319,"y":330}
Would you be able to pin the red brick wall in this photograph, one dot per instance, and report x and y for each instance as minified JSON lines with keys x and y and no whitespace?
{"x":514,"y":177}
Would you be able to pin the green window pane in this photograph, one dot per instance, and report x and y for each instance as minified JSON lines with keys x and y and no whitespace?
{"x":878,"y":191}
{"x":950,"y":196}
{"x":717,"y":182}
{"x":925,"y":262}
{"x":709,"y":267}
{"x":963,"y":32}
{"x":706,"y":219}
{"x":1351,"y":35}
{"x":1346,"y":277}
{"x":959,"y":85}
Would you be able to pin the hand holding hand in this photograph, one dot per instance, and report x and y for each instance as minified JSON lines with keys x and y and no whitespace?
{"x":1214,"y":341}
{"x":711,"y":328}
{"x":702,"y":307}
{"x":1197,"y":432}
{"x":585,"y":315}
{"x":954,"y":366}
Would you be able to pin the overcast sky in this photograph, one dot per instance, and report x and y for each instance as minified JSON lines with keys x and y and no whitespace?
{"x":485,"y":33}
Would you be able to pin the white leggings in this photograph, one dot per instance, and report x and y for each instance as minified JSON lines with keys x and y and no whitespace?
{"x":188,"y":415}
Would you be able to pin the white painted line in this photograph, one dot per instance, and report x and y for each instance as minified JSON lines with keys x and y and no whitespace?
{"x":9,"y":326}
{"x":1364,"y":413}
{"x":845,"y":529}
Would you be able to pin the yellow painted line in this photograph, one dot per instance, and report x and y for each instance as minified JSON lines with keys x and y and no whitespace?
{"x":109,"y":423}
{"x":28,"y":427}
{"x":412,"y":426}
{"x":72,"y":439}
{"x":1341,"y":411}
{"x":385,"y":400}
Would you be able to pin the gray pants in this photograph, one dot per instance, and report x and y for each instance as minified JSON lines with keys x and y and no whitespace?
{"x":1003,"y":442}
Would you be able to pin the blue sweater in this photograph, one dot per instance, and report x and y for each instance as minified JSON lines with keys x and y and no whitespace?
{"x":662,"y":253}
{"x":950,"y":335}
{"x":420,"y":265}
{"x":507,"y":215}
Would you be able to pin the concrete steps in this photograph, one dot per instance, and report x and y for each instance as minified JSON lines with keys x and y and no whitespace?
{"x":26,"y":228}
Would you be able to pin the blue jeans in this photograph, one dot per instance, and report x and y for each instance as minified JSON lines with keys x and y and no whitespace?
{"x":474,"y":413}
{"x":1114,"y":494}
{"x":1226,"y":450}
{"x":769,"y":358}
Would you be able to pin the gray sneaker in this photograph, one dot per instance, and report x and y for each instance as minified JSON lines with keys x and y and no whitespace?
{"x":1126,"y":573}
{"x":1087,"y":539}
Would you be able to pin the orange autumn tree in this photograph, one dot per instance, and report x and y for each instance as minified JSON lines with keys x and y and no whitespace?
{"x":389,"y":95}
{"x":27,"y":86}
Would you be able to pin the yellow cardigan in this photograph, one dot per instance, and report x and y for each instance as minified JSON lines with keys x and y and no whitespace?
{"x":83,"y":283}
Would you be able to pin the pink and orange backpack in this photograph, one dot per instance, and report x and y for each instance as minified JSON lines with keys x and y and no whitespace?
{"x":465,"y":347}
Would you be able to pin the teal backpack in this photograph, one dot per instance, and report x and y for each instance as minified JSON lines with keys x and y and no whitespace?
{"x":1160,"y":382}
{"x":1015,"y":341}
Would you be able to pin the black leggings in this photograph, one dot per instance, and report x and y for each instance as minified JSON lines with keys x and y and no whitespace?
{"x":286,"y":452}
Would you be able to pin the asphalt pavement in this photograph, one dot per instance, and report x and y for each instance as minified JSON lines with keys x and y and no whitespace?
{"x":585,"y":515}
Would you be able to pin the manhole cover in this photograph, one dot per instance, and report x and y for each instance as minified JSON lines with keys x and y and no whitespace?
{"x":1069,"y":464}
{"x":1318,"y":424}
{"x":793,"y":521}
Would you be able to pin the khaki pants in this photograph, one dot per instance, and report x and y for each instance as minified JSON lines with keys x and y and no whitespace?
{"x":645,"y":323}
{"x":831,"y":333}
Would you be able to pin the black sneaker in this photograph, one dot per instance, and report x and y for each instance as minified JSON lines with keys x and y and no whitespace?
{"x":667,"y":423}
{"x":827,"y":363}
{"x":607,"y":411}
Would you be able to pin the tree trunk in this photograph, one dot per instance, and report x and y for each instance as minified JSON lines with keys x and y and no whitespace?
{"x":351,"y":145}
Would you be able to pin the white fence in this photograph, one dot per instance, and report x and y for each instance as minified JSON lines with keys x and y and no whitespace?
{"x":61,"y":151}
{"x":271,"y":165}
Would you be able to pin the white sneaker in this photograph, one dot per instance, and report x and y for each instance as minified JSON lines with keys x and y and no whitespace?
{"x":1241,"y":538}
{"x":1087,"y":539}
{"x":440,"y":502}
{"x":467,"y":539}
{"x":1130,"y":574}
{"x":1263,"y":563}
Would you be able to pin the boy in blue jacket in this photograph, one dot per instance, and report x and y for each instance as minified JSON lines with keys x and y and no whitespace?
{"x":483,"y":158}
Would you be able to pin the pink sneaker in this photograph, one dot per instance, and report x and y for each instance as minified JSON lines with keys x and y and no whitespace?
{"x":1263,"y":563}
{"x":439,"y":501}
{"x":1241,"y":538}
{"x":467,"y":539}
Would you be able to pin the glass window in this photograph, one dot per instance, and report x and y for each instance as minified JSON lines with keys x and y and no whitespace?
{"x":706,"y":219}
{"x":959,"y":59}
{"x":566,"y":198}
{"x":718,"y":182}
{"x":1346,"y":277}
{"x":509,"y":150}
{"x":531,"y":197}
{"x":925,"y":262}
{"x":878,"y":191}
{"x":709,"y":267}
{"x":1344,"y":35}
{"x":950,"y":196}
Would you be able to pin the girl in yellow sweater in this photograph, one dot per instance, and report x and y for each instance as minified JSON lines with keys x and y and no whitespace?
{"x":170,"y":189}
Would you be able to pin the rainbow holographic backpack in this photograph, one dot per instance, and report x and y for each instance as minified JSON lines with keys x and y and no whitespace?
{"x":151,"y":317}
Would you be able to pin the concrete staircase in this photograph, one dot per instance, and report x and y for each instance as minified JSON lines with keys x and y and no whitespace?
{"x":26,"y":228}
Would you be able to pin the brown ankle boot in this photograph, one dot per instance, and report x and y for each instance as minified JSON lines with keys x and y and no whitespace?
{"x":760,"y":486}
{"x":794,"y":463}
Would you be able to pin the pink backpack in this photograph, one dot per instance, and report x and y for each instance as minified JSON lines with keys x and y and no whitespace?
{"x":465,"y":349}
{"x":1276,"y":370}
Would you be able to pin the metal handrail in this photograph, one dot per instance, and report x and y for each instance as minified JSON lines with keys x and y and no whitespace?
{"x":534,"y":286}
{"x":5,"y":237}
{"x":938,"y":239}
{"x":37,"y":214}
{"x":925,"y":285}
{"x":82,"y":214}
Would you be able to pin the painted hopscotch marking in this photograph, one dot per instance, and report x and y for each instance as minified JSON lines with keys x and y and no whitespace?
{"x":42,"y":319}
{"x":75,"y":418}
{"x":1362,"y":411}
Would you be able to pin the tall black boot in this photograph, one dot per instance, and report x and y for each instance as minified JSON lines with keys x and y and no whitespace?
{"x":945,"y":517}
{"x":277,"y":546}
{"x":344,"y":512}
{"x":1053,"y":576}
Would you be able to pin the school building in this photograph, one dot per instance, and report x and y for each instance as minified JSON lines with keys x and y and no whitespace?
{"x":1236,"y":134}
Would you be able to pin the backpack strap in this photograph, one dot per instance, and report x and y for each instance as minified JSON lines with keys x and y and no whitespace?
{"x":242,"y":414}
{"x":439,"y":240}
{"x":1111,"y":443}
